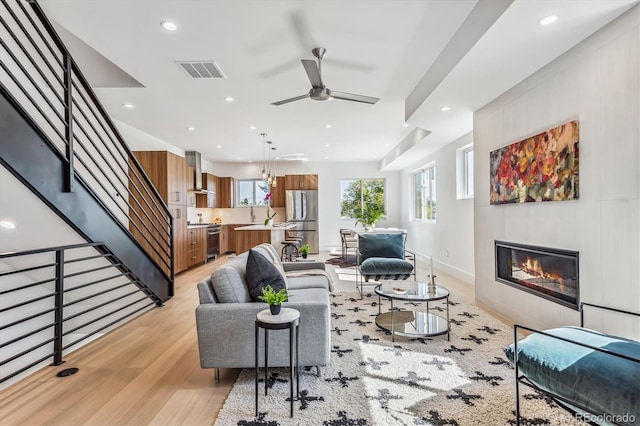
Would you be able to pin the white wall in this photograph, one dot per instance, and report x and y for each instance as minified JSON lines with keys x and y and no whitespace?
{"x":452,"y":231}
{"x":329,"y":176}
{"x":597,"y":83}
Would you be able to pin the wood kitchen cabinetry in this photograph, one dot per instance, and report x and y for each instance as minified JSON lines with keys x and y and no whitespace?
{"x":197,"y":245}
{"x":227,"y":239}
{"x":208,"y":198}
{"x":224,"y":192}
{"x":278,"y":193}
{"x":169,"y":174}
{"x":301,"y":182}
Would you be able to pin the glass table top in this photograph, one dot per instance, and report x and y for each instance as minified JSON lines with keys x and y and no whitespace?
{"x":410,"y":290}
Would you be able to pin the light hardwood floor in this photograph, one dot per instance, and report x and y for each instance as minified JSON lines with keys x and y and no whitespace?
{"x":146,"y":372}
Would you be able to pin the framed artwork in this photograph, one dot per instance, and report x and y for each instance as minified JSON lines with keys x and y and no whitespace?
{"x":543,"y":167}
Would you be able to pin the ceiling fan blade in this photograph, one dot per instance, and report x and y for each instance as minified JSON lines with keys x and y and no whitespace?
{"x":301,"y":26}
{"x":312,"y":72}
{"x":352,"y":97}
{"x":286,"y":101}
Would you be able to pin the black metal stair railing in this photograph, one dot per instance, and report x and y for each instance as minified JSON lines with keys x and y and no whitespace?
{"x":52,"y":299}
{"x":40,"y":79}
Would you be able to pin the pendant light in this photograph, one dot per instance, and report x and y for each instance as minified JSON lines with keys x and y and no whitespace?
{"x":264,"y":165}
{"x":269,"y":176}
{"x":274,"y":181}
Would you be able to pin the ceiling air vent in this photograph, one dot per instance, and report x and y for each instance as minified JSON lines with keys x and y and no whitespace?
{"x":201,"y":69}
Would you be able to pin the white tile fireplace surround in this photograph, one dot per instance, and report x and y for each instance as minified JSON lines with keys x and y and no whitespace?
{"x":544,"y":271}
{"x":597,"y":83}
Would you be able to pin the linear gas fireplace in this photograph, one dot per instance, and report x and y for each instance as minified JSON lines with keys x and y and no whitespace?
{"x":546,"y":272}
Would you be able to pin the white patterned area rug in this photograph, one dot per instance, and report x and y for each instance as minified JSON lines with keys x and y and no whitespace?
{"x":374,"y":381}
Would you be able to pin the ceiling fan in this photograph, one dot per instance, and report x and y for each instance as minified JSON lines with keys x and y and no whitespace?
{"x":319,"y":92}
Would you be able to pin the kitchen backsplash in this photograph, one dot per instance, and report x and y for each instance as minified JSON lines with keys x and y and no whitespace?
{"x":237,"y":215}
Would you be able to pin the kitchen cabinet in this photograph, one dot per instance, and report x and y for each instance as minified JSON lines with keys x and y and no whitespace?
{"x":224,"y":192}
{"x":197,"y":245}
{"x":209,"y":182}
{"x":278,"y":193}
{"x":207,"y":198}
{"x":224,"y":239}
{"x":169,"y":174}
{"x":180,"y":246}
{"x":301,"y":182}
{"x":227,"y":238}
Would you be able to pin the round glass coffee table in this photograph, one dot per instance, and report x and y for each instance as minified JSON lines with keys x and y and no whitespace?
{"x":412,"y":323}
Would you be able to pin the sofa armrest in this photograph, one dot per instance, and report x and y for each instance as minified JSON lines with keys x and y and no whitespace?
{"x":226,"y":334}
{"x":301,"y":266}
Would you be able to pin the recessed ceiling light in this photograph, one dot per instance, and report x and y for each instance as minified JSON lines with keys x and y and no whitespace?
{"x":228,"y":99}
{"x":326,"y":145}
{"x":127,"y":105}
{"x":168,"y":25}
{"x":8,"y":225}
{"x":219,"y":146}
{"x":405,"y":125}
{"x":445,"y":108}
{"x":191,"y":128}
{"x":548,"y":20}
{"x":252,"y":127}
{"x":386,"y":144}
{"x":328,"y":126}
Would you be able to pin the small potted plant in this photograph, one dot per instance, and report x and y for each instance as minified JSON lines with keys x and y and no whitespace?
{"x":274,"y":298}
{"x":304,"y":251}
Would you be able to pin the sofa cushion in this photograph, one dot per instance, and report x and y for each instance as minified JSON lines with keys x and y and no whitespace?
{"x":229,"y":285}
{"x":260,"y":273}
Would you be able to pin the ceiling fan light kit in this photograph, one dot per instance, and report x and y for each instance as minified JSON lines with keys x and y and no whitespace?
{"x":319,"y":92}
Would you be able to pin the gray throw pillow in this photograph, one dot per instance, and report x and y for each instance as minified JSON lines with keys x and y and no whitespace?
{"x":260,"y":273}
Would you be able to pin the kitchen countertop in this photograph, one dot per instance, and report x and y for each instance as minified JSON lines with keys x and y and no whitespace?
{"x":256,"y":227}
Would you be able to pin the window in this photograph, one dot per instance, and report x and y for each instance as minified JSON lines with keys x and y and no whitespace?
{"x":361,"y":198}
{"x":251,"y":192}
{"x":424,"y":182}
{"x":464,"y":172}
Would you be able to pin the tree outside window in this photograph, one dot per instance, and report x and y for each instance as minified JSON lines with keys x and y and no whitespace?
{"x":362,"y":199}
{"x":252,"y":192}
{"x":424,"y":201}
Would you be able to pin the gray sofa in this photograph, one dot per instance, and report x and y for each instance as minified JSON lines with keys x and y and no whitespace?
{"x":226,"y":330}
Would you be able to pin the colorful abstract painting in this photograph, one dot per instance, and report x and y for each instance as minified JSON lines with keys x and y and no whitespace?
{"x":543,"y":167}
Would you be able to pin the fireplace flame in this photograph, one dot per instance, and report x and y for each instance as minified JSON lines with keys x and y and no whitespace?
{"x":534,"y":268}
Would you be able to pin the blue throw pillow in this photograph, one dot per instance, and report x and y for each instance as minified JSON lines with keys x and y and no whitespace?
{"x":260,"y":273}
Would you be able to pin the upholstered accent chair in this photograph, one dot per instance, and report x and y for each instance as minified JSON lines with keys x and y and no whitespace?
{"x":383,"y":256}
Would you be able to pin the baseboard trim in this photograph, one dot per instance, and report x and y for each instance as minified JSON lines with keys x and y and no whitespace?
{"x":463,"y":276}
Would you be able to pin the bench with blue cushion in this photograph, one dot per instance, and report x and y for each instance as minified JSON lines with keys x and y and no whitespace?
{"x":585,"y":371}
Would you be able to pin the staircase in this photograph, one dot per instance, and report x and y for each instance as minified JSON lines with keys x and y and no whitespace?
{"x":57,"y":139}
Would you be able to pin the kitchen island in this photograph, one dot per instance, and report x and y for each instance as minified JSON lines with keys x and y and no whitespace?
{"x":252,"y":235}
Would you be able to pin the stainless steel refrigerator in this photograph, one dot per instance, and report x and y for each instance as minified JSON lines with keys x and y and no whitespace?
{"x":302,"y":210}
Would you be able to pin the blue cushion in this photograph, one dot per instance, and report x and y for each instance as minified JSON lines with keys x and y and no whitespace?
{"x":260,"y":273}
{"x":384,"y":266}
{"x":599,"y":382}
{"x":381,"y":245}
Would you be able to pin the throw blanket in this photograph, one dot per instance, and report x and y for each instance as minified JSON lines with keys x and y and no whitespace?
{"x":312,"y":272}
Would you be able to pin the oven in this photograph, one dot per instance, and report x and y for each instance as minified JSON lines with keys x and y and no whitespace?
{"x":213,"y":241}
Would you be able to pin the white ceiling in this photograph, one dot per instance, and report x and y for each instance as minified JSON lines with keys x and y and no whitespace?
{"x":437,"y":49}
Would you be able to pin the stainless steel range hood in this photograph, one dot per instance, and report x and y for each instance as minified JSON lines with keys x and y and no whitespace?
{"x":194,"y":159}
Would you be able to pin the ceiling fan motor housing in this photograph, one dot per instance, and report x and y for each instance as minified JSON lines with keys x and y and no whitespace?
{"x":320,"y":94}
